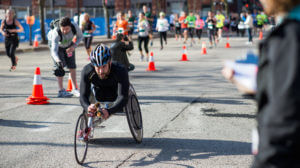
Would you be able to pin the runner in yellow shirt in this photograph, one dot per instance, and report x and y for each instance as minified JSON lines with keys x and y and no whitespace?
{"x":220,"y":23}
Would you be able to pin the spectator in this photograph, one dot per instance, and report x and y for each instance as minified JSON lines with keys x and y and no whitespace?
{"x":278,"y":89}
{"x":63,"y":53}
{"x":249,"y":26}
{"x":119,"y":51}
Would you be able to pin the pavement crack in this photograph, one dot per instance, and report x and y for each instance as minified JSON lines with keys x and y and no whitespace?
{"x":119,"y":165}
{"x":176,"y":116}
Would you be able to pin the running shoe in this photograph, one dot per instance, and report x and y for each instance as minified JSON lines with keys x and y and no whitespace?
{"x":64,"y":94}
{"x":76,"y":93}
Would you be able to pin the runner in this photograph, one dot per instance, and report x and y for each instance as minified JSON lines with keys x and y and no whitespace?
{"x":177,"y":27}
{"x":150,"y":20}
{"x":199,"y":26}
{"x":191,"y":19}
{"x":162,"y":26}
{"x":9,"y":30}
{"x":131,"y":21}
{"x":143,"y":36}
{"x":183,"y":22}
{"x":88,"y":27}
{"x":121,"y":25}
{"x":220,"y":18}
{"x":211,"y":25}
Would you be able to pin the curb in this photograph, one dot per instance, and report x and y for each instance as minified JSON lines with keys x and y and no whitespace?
{"x":43,"y":48}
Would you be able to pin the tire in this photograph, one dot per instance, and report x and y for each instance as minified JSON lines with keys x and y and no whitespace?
{"x":80,"y":145}
{"x":134,"y":118}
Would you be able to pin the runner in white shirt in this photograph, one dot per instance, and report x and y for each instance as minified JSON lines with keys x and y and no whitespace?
{"x":162,"y":26}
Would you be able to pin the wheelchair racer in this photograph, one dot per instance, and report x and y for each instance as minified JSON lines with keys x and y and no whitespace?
{"x":106,"y":80}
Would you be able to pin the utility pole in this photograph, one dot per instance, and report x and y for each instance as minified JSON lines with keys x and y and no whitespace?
{"x":42,"y":21}
{"x":106,"y":15}
{"x":78,"y":11}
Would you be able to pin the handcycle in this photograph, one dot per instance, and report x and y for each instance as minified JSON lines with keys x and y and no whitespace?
{"x":87,"y":122}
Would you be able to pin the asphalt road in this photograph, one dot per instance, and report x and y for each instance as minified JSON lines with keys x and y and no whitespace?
{"x":192,"y":116}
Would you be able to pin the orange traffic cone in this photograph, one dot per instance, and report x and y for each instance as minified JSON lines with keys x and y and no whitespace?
{"x":37,"y":96}
{"x":35,"y":43}
{"x":184,"y":54}
{"x":70,"y":87}
{"x":261,"y":35}
{"x":204,"y":48}
{"x":227,"y":44}
{"x":151,"y":66}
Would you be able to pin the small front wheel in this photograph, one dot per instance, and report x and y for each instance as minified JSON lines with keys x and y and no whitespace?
{"x":80,"y":143}
{"x":134,"y":118}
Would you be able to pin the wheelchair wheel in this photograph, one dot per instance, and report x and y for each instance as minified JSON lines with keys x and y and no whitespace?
{"x":80,"y":145}
{"x":134,"y":118}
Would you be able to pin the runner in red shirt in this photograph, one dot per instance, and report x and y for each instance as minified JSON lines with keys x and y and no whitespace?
{"x":184,"y":28}
{"x":122,"y":24}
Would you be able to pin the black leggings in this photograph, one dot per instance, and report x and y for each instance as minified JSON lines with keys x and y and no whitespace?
{"x":11,"y":43}
{"x":163,"y":35}
{"x":88,"y":42}
{"x":199,"y":33}
{"x":191,"y":32}
{"x":146,"y":41}
{"x":211,"y":35}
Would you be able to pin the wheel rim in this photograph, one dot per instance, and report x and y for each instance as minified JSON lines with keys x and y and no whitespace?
{"x":136,"y":114}
{"x":79,"y":142}
{"x":135,"y":119}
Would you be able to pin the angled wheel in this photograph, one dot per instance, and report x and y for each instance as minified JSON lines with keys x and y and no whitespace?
{"x":134,"y":118}
{"x":80,"y":144}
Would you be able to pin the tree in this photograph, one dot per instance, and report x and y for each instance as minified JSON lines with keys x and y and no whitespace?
{"x":106,"y":15}
{"x":42,"y":21}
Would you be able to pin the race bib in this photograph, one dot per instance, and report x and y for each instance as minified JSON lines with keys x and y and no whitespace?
{"x":120,"y":30}
{"x":191,"y":23}
{"x":177,"y":24}
{"x":130,"y":24}
{"x":210,"y":26}
{"x":87,"y":34}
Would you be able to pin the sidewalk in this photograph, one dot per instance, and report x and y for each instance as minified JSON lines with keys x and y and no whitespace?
{"x":25,"y":47}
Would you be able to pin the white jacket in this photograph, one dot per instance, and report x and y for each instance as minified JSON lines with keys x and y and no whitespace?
{"x":249,"y":22}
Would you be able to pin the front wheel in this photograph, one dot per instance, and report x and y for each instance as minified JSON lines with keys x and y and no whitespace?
{"x":80,"y":144}
{"x":134,"y":118}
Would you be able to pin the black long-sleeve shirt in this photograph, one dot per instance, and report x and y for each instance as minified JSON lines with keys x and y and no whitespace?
{"x":113,"y":89}
{"x":118,"y":52}
{"x":278,"y":96}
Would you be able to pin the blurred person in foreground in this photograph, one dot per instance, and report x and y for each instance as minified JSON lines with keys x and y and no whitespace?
{"x":278,"y":89}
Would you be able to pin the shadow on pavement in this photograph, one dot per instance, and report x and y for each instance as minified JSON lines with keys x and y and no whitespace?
{"x":171,"y":149}
{"x":26,"y":124}
{"x":174,"y":149}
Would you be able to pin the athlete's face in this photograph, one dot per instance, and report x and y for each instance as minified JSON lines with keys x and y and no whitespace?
{"x":65,"y":29}
{"x":103,"y":71}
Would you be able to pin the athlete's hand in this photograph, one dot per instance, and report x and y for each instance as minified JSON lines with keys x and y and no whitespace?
{"x":92,"y":108}
{"x":105,"y":114}
{"x":70,"y":49}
